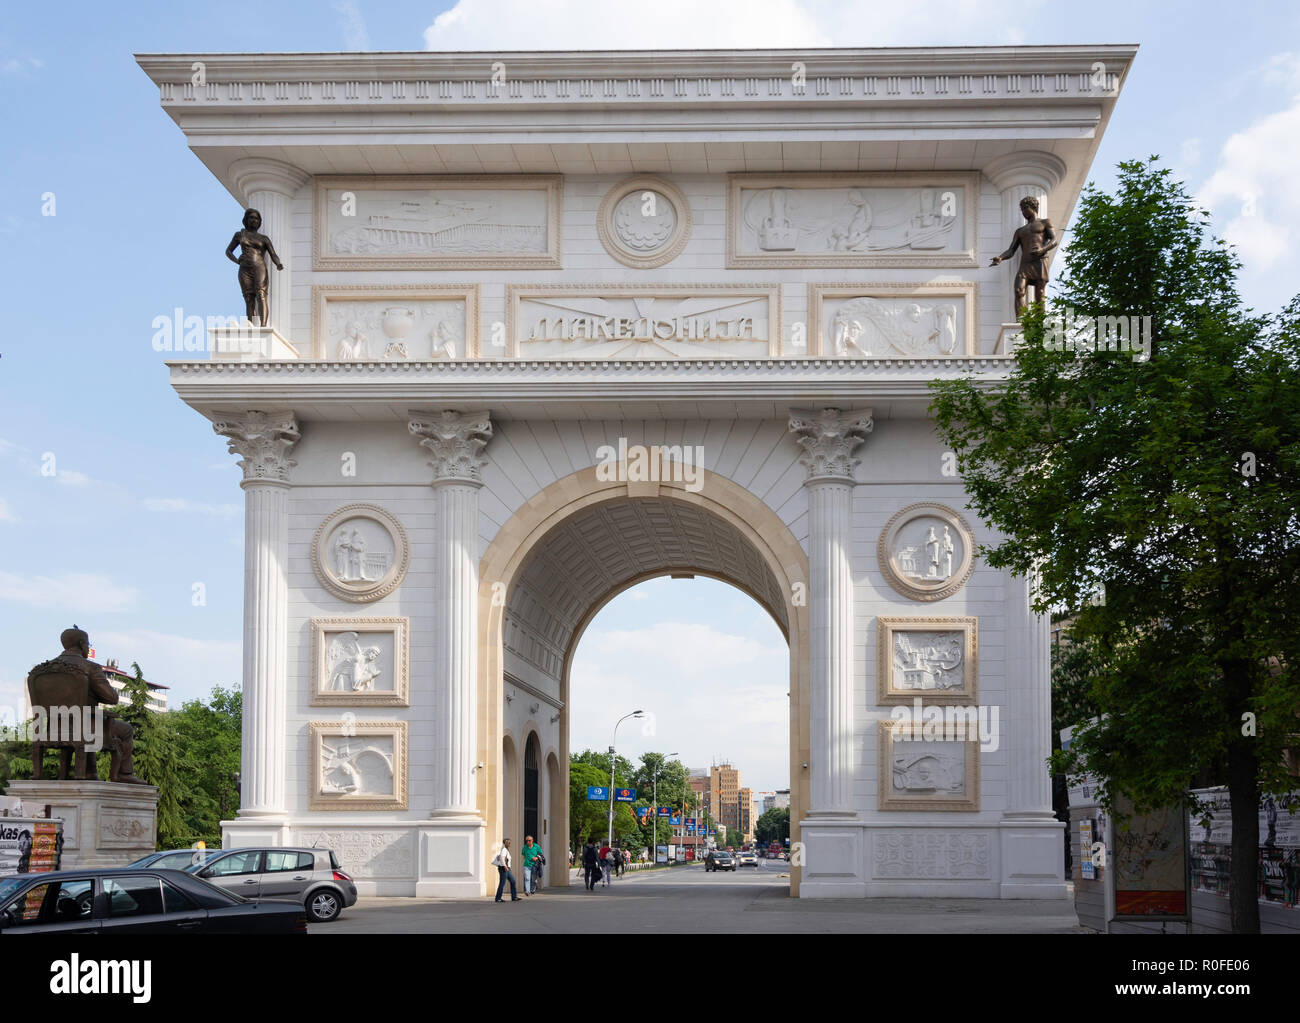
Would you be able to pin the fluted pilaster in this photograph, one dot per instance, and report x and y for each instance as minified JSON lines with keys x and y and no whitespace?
{"x":1027,"y":729}
{"x":263,"y":441}
{"x":829,"y":439}
{"x":456,"y":441}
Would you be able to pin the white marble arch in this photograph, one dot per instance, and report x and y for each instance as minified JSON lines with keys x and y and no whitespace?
{"x":777,"y":562}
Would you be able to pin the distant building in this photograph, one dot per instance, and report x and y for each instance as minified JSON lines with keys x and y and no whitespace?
{"x":781,"y":799}
{"x":118,"y":679}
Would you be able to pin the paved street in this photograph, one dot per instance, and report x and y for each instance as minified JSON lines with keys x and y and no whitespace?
{"x":686,"y":898}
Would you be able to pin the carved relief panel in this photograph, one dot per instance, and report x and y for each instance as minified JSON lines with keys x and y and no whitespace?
{"x":933,"y":658}
{"x":893,"y":321}
{"x":395,"y":323}
{"x":360,"y":553}
{"x":926,"y":551}
{"x":357,"y":765}
{"x":921,"y":774}
{"x":418,"y":223}
{"x":644,"y":222}
{"x":861,"y":220}
{"x":360,"y":662}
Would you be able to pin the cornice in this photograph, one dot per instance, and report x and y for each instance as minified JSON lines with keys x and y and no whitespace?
{"x":764,"y":77}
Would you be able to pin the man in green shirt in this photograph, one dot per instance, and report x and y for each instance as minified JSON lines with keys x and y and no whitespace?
{"x":531,"y":853}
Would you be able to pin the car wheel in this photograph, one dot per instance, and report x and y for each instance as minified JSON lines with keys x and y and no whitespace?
{"x":324,"y":905}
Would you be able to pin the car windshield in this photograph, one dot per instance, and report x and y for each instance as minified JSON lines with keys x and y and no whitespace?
{"x":9,"y":885}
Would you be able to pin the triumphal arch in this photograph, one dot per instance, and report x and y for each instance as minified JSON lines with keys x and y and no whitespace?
{"x":550,"y":324}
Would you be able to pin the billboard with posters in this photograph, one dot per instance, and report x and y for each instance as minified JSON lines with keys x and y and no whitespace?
{"x":1149,"y":862}
{"x":30,"y":845}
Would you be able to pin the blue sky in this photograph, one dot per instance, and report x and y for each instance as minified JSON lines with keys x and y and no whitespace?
{"x":143,"y":502}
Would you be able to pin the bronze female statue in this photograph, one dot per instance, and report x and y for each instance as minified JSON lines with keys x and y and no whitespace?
{"x":253,"y":275}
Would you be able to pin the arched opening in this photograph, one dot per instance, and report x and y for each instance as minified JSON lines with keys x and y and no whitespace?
{"x":510,"y":810}
{"x":555,"y":843}
{"x":573,"y":548}
{"x":532,"y":787}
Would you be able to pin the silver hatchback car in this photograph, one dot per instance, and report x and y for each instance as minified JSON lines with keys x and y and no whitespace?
{"x":310,"y":876}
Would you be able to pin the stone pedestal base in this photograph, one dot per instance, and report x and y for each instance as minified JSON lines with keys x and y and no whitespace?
{"x":444,"y":857}
{"x":1009,"y":335}
{"x":104,"y":824}
{"x":1033,"y":858}
{"x":249,"y":343}
{"x":833,"y":859}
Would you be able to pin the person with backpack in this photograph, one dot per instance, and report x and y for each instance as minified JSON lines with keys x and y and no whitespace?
{"x":530,"y":854}
{"x":590,"y":864}
{"x":606,"y":863}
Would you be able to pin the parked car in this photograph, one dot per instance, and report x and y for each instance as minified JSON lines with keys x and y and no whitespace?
{"x":126,"y":900}
{"x":747,"y":858}
{"x":311,"y":877}
{"x":719,"y":859}
{"x":175,"y":859}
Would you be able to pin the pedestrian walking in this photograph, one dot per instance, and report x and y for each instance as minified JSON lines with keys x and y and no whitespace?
{"x":502,"y":862}
{"x":607,"y":862}
{"x":530,"y":854}
{"x":590,"y":864}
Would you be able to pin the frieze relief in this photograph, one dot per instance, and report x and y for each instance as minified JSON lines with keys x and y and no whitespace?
{"x":395,"y":323}
{"x":930,"y":855}
{"x":367,"y":854}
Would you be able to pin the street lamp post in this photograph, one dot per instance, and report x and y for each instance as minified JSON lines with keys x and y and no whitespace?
{"x":612,"y":760}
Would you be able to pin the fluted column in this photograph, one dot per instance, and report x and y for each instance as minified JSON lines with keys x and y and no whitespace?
{"x":269,"y":186}
{"x":456,"y":441}
{"x":829,"y":439}
{"x":1018,"y":176}
{"x":1026,"y":732}
{"x":263,"y":441}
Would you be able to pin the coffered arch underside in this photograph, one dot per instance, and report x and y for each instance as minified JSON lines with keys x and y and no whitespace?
{"x":605,"y":549}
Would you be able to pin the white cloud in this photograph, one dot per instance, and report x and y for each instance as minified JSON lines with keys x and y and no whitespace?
{"x":189,"y":666}
{"x":1252,"y":191}
{"x":355,"y":36}
{"x":494,"y":25}
{"x":78,"y":592}
{"x":70,"y":478}
{"x":181,"y":504}
{"x":708,"y":695}
{"x":5,"y":514}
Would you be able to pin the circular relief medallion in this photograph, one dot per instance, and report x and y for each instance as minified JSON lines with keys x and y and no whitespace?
{"x":926,"y":552}
{"x":360,"y":553}
{"x":644,"y":222}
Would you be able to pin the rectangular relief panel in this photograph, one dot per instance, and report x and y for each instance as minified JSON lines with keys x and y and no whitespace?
{"x":643,"y":321}
{"x":931,"y":658}
{"x":503,"y":222}
{"x":912,"y":219}
{"x":933,"y":320}
{"x":357,"y":765}
{"x":360,"y":662}
{"x":926,"y":774}
{"x":395,"y":322}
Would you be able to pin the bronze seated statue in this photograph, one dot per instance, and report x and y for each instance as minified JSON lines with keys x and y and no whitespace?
{"x":64,"y":694}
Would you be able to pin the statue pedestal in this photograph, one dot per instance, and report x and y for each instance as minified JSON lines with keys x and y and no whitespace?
{"x":248,"y":343}
{"x":105,"y":824}
{"x":1009,"y":335}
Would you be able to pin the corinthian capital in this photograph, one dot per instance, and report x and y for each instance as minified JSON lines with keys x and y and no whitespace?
{"x":829,"y":437}
{"x":456,"y":441}
{"x":263,"y":441}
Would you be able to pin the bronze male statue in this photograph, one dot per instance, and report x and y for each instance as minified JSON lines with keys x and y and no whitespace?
{"x":254,"y":278}
{"x":1035,"y":240}
{"x":48,"y":683}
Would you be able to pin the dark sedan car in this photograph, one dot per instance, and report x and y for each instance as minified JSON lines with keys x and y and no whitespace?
{"x":719,"y":859}
{"x":137,"y":901}
{"x":175,"y":859}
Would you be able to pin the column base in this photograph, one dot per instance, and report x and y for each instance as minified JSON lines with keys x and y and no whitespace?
{"x":833,"y":858}
{"x":1033,"y":856}
{"x":255,"y":829}
{"x":453,"y":859}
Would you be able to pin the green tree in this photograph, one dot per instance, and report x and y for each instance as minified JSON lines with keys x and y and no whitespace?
{"x":156,"y":754}
{"x":773,"y":826}
{"x":1170,"y":481}
{"x":208,"y":738}
{"x":589,"y":819}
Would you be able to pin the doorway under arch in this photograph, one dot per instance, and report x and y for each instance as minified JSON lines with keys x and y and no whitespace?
{"x":573,"y":548}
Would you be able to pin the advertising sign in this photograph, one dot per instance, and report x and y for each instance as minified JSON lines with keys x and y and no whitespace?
{"x":665,"y":811}
{"x":1149,"y":859}
{"x":625,"y":795}
{"x":29,"y":845}
{"x":1088,"y":871}
{"x":597,"y":792}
